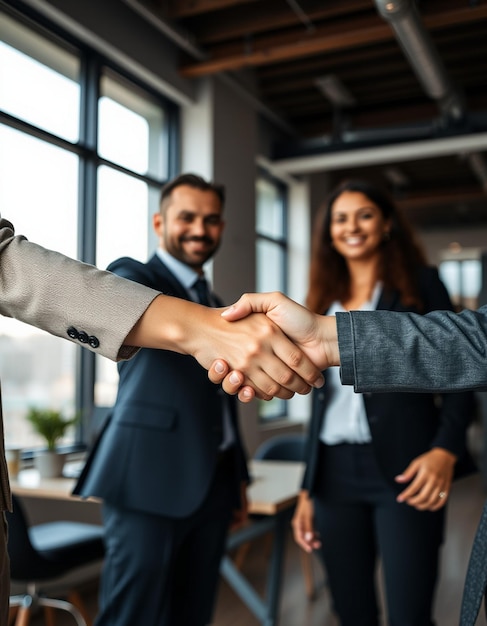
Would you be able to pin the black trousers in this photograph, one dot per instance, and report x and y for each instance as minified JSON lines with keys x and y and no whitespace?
{"x":161,"y":571}
{"x":4,"y":571}
{"x":359,"y":520}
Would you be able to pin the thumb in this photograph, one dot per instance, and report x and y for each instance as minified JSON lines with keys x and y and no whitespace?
{"x":251,"y":303}
{"x":407,"y":475}
{"x":237,"y":311}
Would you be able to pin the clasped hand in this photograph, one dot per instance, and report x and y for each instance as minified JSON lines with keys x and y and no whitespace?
{"x":314,"y":335}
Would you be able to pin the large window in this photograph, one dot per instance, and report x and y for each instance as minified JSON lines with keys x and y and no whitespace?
{"x":83,"y":153}
{"x":271,"y":259}
{"x":463,"y":280}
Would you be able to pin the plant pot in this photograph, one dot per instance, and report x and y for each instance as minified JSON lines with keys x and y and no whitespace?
{"x":49,"y":464}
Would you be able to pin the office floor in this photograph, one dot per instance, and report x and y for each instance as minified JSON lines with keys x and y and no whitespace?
{"x":465,"y":506}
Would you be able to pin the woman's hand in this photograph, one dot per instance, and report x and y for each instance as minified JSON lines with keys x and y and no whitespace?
{"x":302,"y":524}
{"x":429,"y":476}
{"x":315,"y":335}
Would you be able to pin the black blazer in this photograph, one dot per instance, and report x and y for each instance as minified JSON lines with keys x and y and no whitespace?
{"x":159,"y":449}
{"x":405,"y":425}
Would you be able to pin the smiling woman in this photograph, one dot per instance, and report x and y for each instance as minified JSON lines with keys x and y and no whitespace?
{"x":376,"y":462}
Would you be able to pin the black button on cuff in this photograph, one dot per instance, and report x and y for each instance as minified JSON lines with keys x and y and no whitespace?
{"x":83,"y":337}
{"x":93,"y":341}
{"x":72,"y":332}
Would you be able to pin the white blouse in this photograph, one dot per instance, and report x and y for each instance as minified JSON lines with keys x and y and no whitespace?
{"x":345,"y":419}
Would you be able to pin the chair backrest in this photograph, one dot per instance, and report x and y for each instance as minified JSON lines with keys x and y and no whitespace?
{"x":289,"y":447}
{"x":25,"y":562}
{"x":98,"y":421}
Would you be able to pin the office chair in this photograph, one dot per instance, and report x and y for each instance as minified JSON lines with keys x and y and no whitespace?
{"x":288,"y":447}
{"x":41,"y":553}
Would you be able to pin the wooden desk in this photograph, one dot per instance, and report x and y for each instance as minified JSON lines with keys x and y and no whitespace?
{"x":272,"y":497}
{"x":29,"y":483}
{"x":275,"y":486}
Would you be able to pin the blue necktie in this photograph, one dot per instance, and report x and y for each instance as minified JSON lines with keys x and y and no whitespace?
{"x":202,"y":291}
{"x":201,"y":288}
{"x":476,"y":579}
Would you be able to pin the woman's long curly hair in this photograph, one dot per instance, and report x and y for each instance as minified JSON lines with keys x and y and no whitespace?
{"x":401,"y":255}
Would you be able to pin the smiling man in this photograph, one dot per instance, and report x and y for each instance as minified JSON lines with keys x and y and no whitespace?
{"x":169,"y":466}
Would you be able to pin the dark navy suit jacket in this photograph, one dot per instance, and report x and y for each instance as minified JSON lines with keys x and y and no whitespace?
{"x":404,"y":425}
{"x":158,"y":451}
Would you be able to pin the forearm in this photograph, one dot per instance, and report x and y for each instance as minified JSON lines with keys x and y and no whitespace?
{"x":255,"y":346}
{"x":171,"y":324}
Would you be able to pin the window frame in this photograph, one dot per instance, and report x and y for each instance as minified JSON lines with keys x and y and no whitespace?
{"x":282,"y":242}
{"x":93,"y":65}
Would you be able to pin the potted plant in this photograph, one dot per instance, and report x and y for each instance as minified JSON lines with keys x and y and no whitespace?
{"x":52,"y":426}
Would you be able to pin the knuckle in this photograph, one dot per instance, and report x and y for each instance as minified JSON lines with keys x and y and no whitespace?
{"x":272,"y":389}
{"x":286,"y":378}
{"x":296,"y":358}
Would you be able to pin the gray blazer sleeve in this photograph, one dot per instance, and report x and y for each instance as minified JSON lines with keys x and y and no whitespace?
{"x":389,"y":351}
{"x":55,"y":293}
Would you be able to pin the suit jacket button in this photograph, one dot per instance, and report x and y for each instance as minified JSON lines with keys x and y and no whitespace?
{"x":93,"y":341}
{"x":82,"y":336}
{"x":72,"y":332}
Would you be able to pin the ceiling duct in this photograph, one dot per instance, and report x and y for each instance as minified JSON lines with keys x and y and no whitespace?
{"x":423,"y":57}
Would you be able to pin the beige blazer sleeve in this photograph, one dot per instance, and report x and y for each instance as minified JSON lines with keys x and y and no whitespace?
{"x":55,"y":293}
{"x":66,"y":298}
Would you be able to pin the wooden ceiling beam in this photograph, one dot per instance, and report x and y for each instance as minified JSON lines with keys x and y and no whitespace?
{"x":289,"y":36}
{"x":317,"y":44}
{"x":440,"y":197}
{"x":324,"y":41}
{"x":271,"y":18}
{"x":185,"y":8}
{"x":351,"y":77}
{"x":454,"y":17}
{"x":329,"y":64}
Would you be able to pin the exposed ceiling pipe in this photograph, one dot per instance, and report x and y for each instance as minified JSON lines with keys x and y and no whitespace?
{"x":388,"y":153}
{"x":418,"y":47}
{"x":301,"y":14}
{"x":479,"y":166}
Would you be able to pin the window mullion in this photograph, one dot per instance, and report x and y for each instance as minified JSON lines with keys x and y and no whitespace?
{"x":89,"y":93}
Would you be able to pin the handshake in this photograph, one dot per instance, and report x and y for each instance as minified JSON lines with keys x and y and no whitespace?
{"x":266,"y":345}
{"x":286,"y":348}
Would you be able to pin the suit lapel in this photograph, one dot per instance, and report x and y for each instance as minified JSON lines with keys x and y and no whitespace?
{"x":388,"y":301}
{"x":164,"y":277}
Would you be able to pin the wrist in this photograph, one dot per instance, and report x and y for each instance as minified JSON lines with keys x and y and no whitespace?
{"x":329,"y":340}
